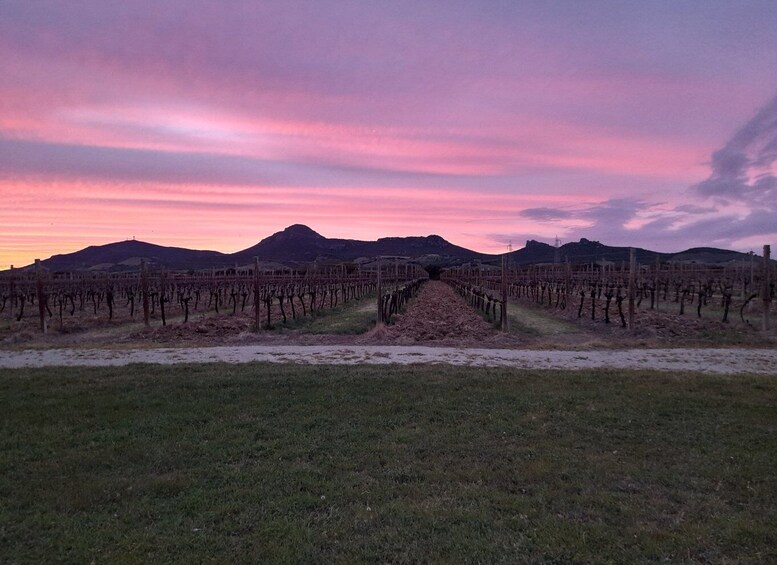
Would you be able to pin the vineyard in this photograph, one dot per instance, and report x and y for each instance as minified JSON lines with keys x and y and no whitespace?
{"x":270,"y":298}
{"x":661,"y":299}
{"x":625,"y":295}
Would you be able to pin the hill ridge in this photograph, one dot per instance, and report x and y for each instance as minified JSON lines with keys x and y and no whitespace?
{"x":299,"y":243}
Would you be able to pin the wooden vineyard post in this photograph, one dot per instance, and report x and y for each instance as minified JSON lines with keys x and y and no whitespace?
{"x":602,"y":272}
{"x":41,"y":296}
{"x":766,"y":288}
{"x":162,"y":300}
{"x":752,"y":270}
{"x":379,"y":319}
{"x":257,"y":320}
{"x":632,"y":282}
{"x":504,"y":296}
{"x":144,"y":290}
{"x":11,"y":298}
{"x":657,"y":281}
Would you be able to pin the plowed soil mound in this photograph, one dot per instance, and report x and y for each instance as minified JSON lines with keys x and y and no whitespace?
{"x":439,"y":316}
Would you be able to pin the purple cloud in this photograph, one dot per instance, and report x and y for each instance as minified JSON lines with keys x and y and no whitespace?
{"x":743,"y":173}
{"x":694,"y":209}
{"x":745,"y":169}
{"x":545,"y":214}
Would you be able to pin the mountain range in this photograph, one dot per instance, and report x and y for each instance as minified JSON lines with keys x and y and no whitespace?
{"x":299,"y":244}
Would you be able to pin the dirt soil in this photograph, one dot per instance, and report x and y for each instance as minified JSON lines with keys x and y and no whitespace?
{"x":659,"y":328}
{"x":439,"y":316}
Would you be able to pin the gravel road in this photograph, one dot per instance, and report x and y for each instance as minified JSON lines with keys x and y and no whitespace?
{"x":719,"y":361}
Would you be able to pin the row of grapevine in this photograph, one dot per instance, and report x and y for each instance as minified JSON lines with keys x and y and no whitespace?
{"x":609,"y":292}
{"x":480,"y":297}
{"x":271,"y":296}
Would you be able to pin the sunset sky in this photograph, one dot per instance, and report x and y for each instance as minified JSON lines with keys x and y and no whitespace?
{"x":212,"y":125}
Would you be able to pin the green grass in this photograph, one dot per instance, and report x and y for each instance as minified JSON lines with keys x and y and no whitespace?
{"x":532,"y":321}
{"x":283,"y":463}
{"x":352,"y":318}
{"x":529,"y":321}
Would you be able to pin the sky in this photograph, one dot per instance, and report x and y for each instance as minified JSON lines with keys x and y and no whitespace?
{"x":212,"y":125}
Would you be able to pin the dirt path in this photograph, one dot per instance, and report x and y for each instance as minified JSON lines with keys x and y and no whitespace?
{"x":719,"y":361}
{"x":438,"y":313}
{"x":439,"y":316}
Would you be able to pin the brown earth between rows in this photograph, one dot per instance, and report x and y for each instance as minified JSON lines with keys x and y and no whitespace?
{"x":439,"y":316}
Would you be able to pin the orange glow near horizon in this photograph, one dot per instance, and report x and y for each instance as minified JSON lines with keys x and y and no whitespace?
{"x":229,"y":219}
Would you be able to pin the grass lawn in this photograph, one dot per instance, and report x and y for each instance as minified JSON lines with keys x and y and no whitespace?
{"x":354,"y":317}
{"x":282,"y":463}
{"x":531,"y":321}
